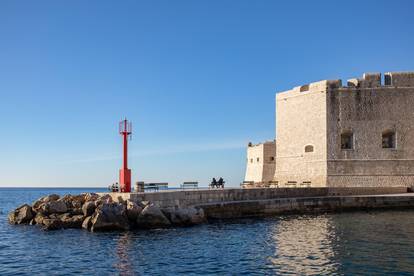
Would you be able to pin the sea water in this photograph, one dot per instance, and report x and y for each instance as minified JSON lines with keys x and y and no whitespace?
{"x":356,"y":243}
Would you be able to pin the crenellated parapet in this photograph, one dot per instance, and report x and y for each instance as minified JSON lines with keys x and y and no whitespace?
{"x":368,"y":80}
{"x":402,"y":79}
{"x":395,"y":79}
{"x":317,"y":86}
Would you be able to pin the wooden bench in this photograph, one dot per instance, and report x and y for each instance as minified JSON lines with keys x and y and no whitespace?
{"x":291,"y":184}
{"x":189,"y":185}
{"x":247,"y":184}
{"x":305,"y":184}
{"x":273,"y":184}
{"x":155,"y":186}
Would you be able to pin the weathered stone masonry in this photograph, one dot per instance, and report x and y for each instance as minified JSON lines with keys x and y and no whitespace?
{"x":261,"y":161}
{"x":361,"y":134}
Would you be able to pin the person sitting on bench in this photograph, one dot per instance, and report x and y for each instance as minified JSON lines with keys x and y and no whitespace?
{"x":213,"y":183}
{"x":221,"y":182}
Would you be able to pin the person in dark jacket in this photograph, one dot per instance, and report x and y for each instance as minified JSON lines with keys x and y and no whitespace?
{"x":221,"y":183}
{"x":213,"y":183}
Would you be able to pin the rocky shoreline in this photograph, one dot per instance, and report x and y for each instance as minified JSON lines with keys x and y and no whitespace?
{"x":100,"y":213}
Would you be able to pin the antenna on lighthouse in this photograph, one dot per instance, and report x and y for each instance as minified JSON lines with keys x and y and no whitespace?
{"x":125,"y":130}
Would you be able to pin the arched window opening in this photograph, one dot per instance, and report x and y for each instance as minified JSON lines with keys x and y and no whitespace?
{"x":309,"y":148}
{"x":347,"y":140}
{"x":388,"y":139}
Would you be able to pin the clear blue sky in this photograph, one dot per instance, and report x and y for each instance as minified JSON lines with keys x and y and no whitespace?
{"x":197,"y":78}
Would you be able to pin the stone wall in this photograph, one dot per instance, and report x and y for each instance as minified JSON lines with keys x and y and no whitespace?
{"x":301,"y":136}
{"x":305,"y":205}
{"x":260,"y":166}
{"x":199,"y":197}
{"x":367,"y":109}
{"x":311,"y":118}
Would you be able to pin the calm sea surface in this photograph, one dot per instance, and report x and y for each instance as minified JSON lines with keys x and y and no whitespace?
{"x":360,"y":243}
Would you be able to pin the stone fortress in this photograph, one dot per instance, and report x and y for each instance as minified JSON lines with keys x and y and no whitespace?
{"x":331,"y":135}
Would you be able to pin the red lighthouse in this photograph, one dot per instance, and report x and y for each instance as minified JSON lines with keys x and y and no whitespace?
{"x":125,"y":129}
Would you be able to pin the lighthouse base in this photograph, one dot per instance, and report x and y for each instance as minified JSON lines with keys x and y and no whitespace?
{"x":125,"y":180}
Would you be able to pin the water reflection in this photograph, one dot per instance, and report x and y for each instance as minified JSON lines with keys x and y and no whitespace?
{"x":356,"y":243}
{"x":304,"y":246}
{"x":123,"y":261}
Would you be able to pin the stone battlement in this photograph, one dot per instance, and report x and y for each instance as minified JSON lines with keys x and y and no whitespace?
{"x":250,"y":144}
{"x":353,"y":134}
{"x":368,"y":80}
{"x":395,"y":79}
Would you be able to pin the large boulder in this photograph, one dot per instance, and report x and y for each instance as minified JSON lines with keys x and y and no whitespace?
{"x":22,"y":214}
{"x":86,"y":224}
{"x":69,"y":221}
{"x":76,"y":211}
{"x":103,"y":199}
{"x":152,"y":217}
{"x":90,"y":196}
{"x":109,"y":216}
{"x":185,"y":216}
{"x":52,"y":224}
{"x":74,"y":201}
{"x":38,"y":219}
{"x":48,"y":198}
{"x":37,"y":205}
{"x":133,"y":210}
{"x":143,"y":203}
{"x":54,"y":207}
{"x":88,"y":208}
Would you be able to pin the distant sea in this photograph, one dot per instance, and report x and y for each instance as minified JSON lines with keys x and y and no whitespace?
{"x":358,"y":243}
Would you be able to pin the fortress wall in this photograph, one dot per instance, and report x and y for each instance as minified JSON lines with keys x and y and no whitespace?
{"x":368,"y":110}
{"x":269,"y":161}
{"x":254,"y":168}
{"x":316,"y":114}
{"x":368,"y":80}
{"x":400,"y":79}
{"x":369,"y":181}
{"x":260,"y":165}
{"x":301,"y":122}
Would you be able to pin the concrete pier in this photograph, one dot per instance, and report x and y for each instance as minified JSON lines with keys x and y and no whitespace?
{"x":306,"y":205}
{"x":234,"y":203}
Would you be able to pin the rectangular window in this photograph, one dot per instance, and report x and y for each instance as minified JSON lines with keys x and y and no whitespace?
{"x":347,"y":140}
{"x":388,"y":140}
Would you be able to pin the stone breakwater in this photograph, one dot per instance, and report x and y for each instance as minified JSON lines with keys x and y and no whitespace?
{"x":199,"y":197}
{"x":124,"y":211}
{"x":93,"y":212}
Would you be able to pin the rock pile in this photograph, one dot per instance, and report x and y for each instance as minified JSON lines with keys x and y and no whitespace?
{"x":100,"y":213}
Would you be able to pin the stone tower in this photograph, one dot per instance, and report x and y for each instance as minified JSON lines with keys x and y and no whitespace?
{"x":260,"y":162}
{"x":361,"y":134}
{"x":358,"y":134}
